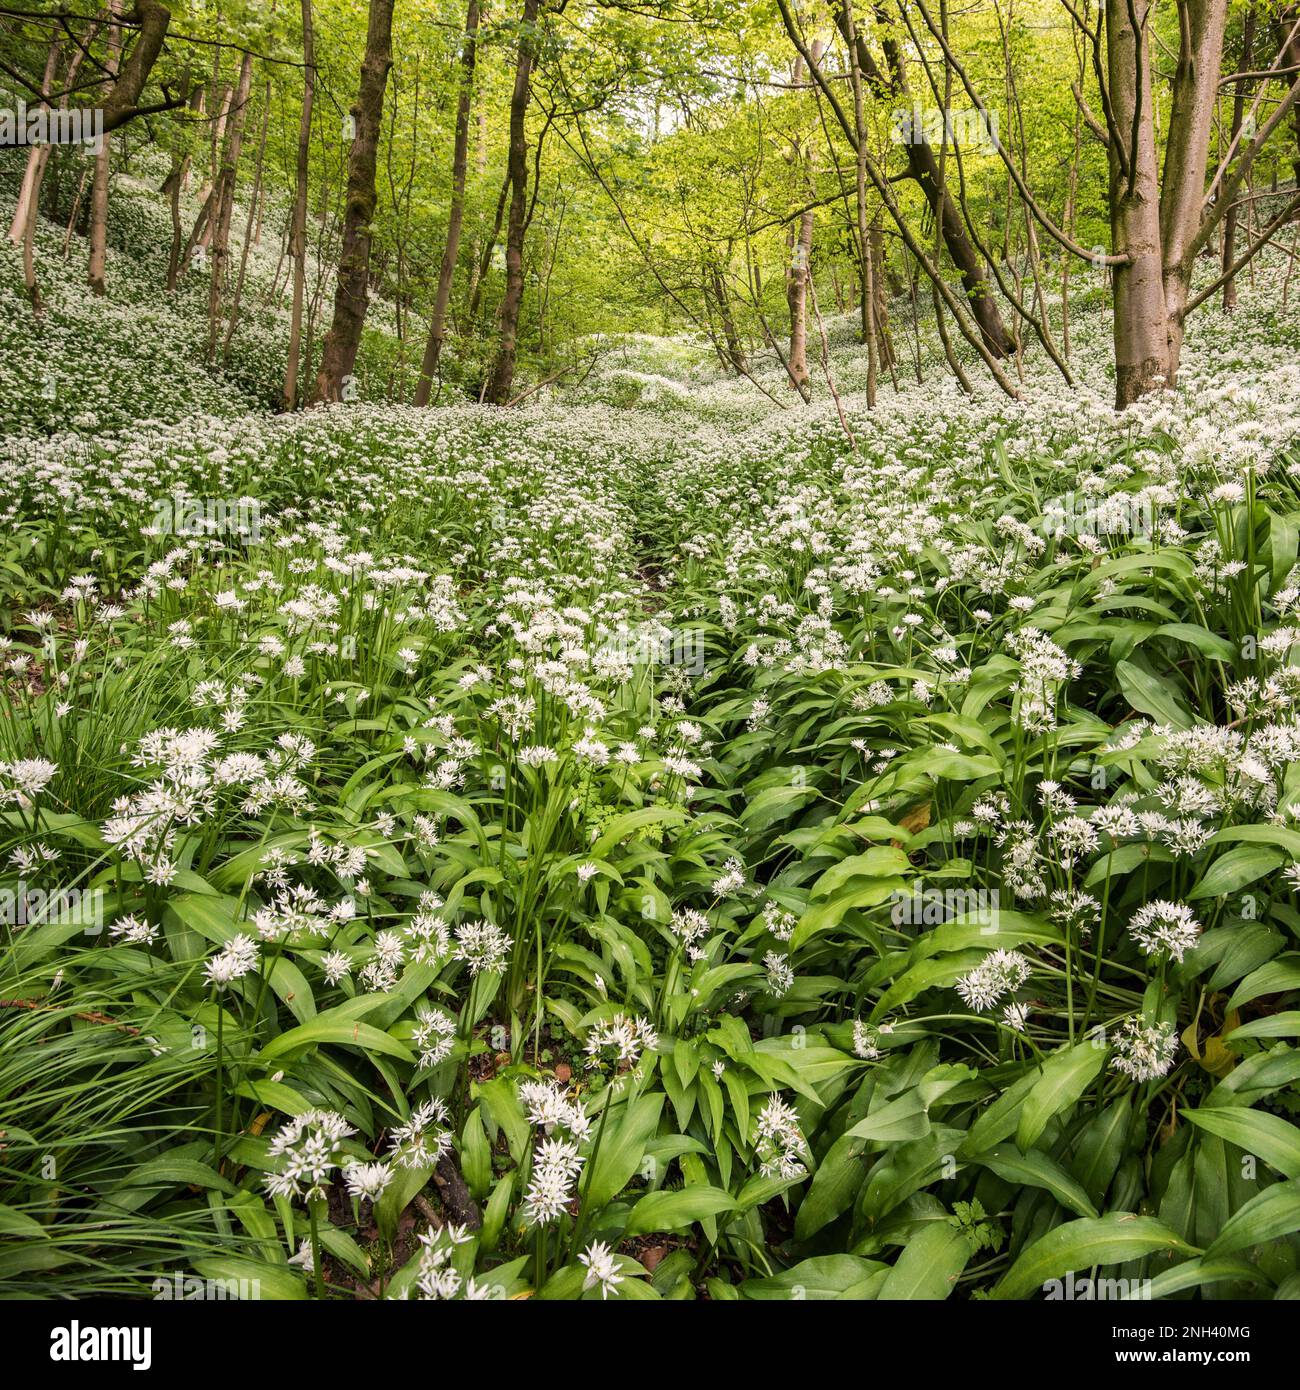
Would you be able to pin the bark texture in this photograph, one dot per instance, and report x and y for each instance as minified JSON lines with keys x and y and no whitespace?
{"x":339,"y":350}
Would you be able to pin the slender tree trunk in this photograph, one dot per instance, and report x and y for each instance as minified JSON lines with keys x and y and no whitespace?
{"x":503,"y":369}
{"x":298,"y":221}
{"x":224,"y":197}
{"x":339,"y":350}
{"x":1284,"y":23}
{"x":866,"y":272}
{"x":254,"y":206}
{"x":796,"y":298}
{"x":72,"y":216}
{"x":1187,"y":148}
{"x":1140,"y":327}
{"x":1238,"y":110}
{"x":799,"y":271}
{"x":1157,"y":218}
{"x":456,"y":214}
{"x":923,"y":167}
{"x":99,"y":183}
{"x":730,"y":334}
{"x":880,"y":299}
{"x":29,"y":197}
{"x":201,"y":230}
{"x":489,"y":248}
{"x":36,"y":155}
{"x":178,"y":175}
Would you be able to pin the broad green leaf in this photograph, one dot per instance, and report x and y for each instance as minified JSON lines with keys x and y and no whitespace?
{"x":1065,"y":1076}
{"x":1269,"y":1214}
{"x":1267,"y":1136}
{"x":928,"y":1268}
{"x":1112,"y":1239}
{"x":671,"y":1211}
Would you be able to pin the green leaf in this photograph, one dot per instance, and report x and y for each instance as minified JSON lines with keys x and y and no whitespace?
{"x":1278,"y":976}
{"x":1283,"y":1025}
{"x":630,"y":822}
{"x":1269,"y":1214}
{"x":670,"y":1211}
{"x":327,"y":1029}
{"x":1235,"y":869}
{"x":622,"y":1149}
{"x":18,"y":1223}
{"x":1149,"y":695}
{"x":269,"y":1281}
{"x":821,"y":1278}
{"x":1267,"y":1136}
{"x":880,"y":861}
{"x":929,"y":1266}
{"x":1195,"y":1274}
{"x":1065,"y":1076}
{"x":904,"y":1118}
{"x":1106,"y":1240}
{"x":1037,"y":1169}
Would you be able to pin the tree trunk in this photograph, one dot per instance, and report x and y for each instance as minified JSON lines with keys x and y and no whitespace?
{"x":1187,"y":150}
{"x":99,"y":182}
{"x":799,"y":271}
{"x":1238,"y":110}
{"x":1140,"y":328}
{"x":224,"y":201}
{"x":339,"y":350}
{"x":254,"y":213}
{"x":796,"y":298}
{"x":298,"y":221}
{"x":479,"y":271}
{"x":201,"y":230}
{"x":503,"y":370}
{"x":456,"y":215}
{"x":880,"y":287}
{"x":36,"y":155}
{"x":735,"y":349}
{"x":178,"y":177}
{"x":1158,"y":219}
{"x":121,"y":104}
{"x":1284,"y":24}
{"x":923,"y":168}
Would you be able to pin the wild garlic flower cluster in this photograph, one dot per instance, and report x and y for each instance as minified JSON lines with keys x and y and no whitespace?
{"x":237,"y":958}
{"x":483,"y":946}
{"x":1044,"y":670}
{"x":780,"y":974}
{"x":691,"y":927}
{"x":23,"y":780}
{"x":557,"y":1157}
{"x":1000,"y":973}
{"x":602,"y":1268}
{"x":436,"y":1277}
{"x":434,"y":1036}
{"x":778,"y":1141}
{"x":620,"y":1040}
{"x":188,"y":780}
{"x":1144,"y":1051}
{"x":1165,"y":928}
{"x":424,"y":1139}
{"x":309,"y":1145}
